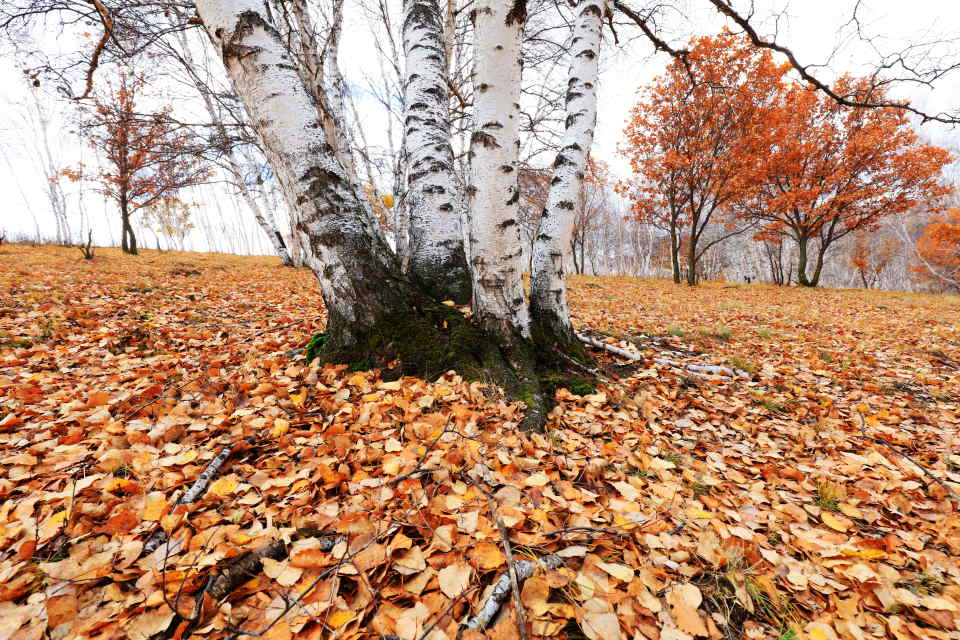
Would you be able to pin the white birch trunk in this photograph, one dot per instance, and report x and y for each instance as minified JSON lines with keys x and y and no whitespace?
{"x":347,"y":253}
{"x":499,"y":302}
{"x":437,"y":258}
{"x":548,"y":286}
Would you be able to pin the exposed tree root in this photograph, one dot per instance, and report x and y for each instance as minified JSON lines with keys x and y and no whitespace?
{"x":431,"y":338}
{"x":694,"y":369}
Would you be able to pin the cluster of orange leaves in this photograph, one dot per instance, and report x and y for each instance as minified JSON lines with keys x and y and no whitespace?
{"x":684,"y":507}
{"x":149,"y":160}
{"x":727,"y":134}
{"x":939,"y":249}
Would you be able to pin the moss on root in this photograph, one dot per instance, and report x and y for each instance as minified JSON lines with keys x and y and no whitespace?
{"x":435,"y":338}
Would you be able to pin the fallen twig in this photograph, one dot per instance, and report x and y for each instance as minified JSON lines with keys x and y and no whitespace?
{"x":889,"y":446}
{"x":522,"y":569}
{"x":195,"y":492}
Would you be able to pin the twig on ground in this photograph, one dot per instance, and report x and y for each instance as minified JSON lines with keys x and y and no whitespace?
{"x":523,"y":569}
{"x":891,"y":447}
{"x":195,"y":492}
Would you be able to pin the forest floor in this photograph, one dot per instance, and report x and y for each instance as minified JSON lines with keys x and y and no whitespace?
{"x":813,"y":499}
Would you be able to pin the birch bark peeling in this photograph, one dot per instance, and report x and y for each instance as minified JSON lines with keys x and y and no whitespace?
{"x":437,"y":258}
{"x":499,"y":302}
{"x":549,"y":306}
{"x":357,"y":272}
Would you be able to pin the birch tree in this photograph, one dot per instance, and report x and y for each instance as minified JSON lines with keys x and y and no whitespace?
{"x":548,"y":288}
{"x":437,"y":257}
{"x":499,"y":302}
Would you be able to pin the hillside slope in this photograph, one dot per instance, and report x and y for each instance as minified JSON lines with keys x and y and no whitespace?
{"x":163,"y":401}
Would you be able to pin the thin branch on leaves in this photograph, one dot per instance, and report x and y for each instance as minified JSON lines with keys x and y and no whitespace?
{"x":195,"y":492}
{"x":523,"y":569}
{"x":891,"y":447}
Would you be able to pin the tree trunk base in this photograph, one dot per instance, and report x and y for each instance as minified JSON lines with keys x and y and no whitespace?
{"x":432,"y":339}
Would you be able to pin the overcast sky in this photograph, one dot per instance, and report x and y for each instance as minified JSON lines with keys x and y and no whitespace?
{"x":818,"y":31}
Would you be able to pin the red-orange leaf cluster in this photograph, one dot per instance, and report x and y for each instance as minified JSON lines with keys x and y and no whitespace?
{"x":727,"y":138}
{"x":939,"y":251}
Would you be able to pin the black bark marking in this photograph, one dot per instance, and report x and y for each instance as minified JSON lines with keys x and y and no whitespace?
{"x":485,"y":139}
{"x":517,"y":13}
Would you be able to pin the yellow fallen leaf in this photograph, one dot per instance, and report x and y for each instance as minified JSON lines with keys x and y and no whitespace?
{"x":187,"y":457}
{"x":171,"y":521}
{"x":156,"y":506}
{"x":817,"y":633}
{"x":621,"y":572}
{"x":357,"y":380}
{"x":117,"y":484}
{"x":391,"y":466}
{"x":298,"y":398}
{"x":699,"y":514}
{"x":52,"y":525}
{"x":394,"y":385}
{"x":866,"y":554}
{"x":280,"y":427}
{"x":224,"y":486}
{"x":837,"y":523}
{"x":538,"y":479}
{"x":339,"y":618}
{"x":848,"y":509}
{"x":488,"y":555}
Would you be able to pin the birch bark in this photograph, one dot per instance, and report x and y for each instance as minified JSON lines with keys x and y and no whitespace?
{"x":358,"y":275}
{"x":437,"y":257}
{"x":549,"y":306}
{"x":499,"y":303}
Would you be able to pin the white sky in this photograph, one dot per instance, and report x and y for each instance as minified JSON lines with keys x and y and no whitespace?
{"x":812,"y":28}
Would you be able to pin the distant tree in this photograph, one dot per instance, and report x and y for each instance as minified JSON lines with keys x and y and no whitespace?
{"x":938,"y":252}
{"x":831,"y":171}
{"x":588,"y":215}
{"x":147,"y":158}
{"x":533,"y":185}
{"x":169,"y":216}
{"x":695,"y":142}
{"x":871,"y":256}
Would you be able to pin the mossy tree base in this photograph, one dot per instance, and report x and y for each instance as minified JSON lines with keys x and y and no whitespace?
{"x":430,"y":339}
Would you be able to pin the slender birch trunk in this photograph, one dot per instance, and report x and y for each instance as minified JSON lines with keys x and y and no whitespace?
{"x":499,"y":302}
{"x":549,"y":306}
{"x":264,"y":218}
{"x":358,"y":275}
{"x":437,"y":257}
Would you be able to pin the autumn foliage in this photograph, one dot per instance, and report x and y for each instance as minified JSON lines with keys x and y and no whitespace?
{"x":148,"y":161}
{"x":728,"y":140}
{"x":831,"y":171}
{"x":938,"y":251}
{"x":696,"y":142}
{"x":683,"y":506}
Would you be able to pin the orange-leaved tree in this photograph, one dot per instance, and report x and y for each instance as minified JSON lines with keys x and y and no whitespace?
{"x":148,"y":159}
{"x":871,"y":255}
{"x":696,"y":140}
{"x":938,"y":251}
{"x":832,"y":170}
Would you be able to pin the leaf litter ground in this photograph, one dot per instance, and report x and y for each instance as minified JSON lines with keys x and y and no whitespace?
{"x":813,"y":500}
